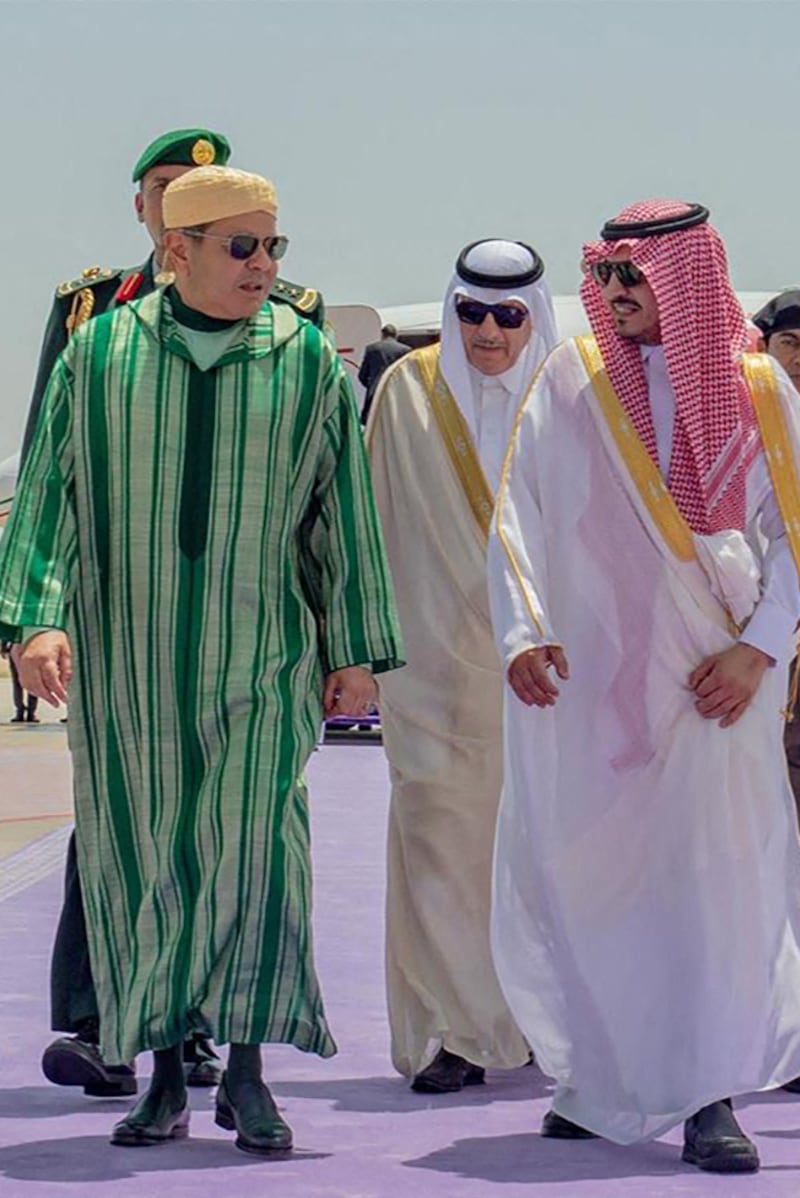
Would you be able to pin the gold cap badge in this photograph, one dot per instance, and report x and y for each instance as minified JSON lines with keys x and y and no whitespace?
{"x":203,"y":153}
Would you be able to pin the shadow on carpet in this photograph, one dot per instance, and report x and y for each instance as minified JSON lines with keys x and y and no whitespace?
{"x":91,"y":1158}
{"x":528,"y":1159}
{"x":394,"y":1096}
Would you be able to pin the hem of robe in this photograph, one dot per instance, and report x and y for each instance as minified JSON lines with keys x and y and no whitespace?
{"x":595,"y":1118}
{"x":465,"y":1047}
{"x":305,"y":1036}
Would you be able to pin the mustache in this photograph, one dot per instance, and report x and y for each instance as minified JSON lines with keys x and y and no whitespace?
{"x":488,"y":342}
{"x":625,"y":304}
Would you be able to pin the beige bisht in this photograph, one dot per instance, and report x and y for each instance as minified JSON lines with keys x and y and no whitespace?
{"x":442,"y":726}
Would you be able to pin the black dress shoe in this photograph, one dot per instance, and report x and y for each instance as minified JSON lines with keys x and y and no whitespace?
{"x":202,"y":1066}
{"x":793,"y":1087}
{"x":446,"y":1074}
{"x":119,"y":1082}
{"x":254,"y":1117}
{"x":714,"y":1141}
{"x":556,"y":1127}
{"x":74,"y":1061}
{"x":153,"y":1120}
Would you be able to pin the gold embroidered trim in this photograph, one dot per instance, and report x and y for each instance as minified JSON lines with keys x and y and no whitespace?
{"x":777,"y":445}
{"x":457,"y":438}
{"x":643,"y":470}
{"x":780,"y":461}
{"x":81,"y":310}
{"x":308,"y":300}
{"x":502,"y":491}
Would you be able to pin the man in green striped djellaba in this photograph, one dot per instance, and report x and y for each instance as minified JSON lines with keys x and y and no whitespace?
{"x":194,"y":548}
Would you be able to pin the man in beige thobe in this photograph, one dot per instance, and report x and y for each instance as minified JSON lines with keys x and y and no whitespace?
{"x":437,"y":437}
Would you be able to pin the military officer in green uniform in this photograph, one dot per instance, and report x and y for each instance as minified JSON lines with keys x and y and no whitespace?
{"x":74,"y":1059}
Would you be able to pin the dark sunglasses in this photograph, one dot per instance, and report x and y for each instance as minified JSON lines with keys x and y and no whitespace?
{"x":242,"y":246}
{"x":474,"y":312}
{"x":628,"y":274}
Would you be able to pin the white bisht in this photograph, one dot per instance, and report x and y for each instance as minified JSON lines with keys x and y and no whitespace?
{"x":646,"y":908}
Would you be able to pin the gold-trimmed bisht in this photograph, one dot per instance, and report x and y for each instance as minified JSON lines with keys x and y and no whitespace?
{"x":457,"y":438}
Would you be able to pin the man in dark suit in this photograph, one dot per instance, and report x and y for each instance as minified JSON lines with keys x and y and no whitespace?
{"x":377,"y":357}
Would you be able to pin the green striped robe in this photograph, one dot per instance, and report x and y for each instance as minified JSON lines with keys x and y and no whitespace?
{"x":209,"y":542}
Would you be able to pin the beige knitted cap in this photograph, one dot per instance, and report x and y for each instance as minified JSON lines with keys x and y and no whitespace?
{"x":212,"y":193}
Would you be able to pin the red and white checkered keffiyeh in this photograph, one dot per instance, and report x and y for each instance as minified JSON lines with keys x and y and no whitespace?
{"x":704,"y":332}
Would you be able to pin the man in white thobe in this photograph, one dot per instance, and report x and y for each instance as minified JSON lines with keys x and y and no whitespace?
{"x":644,"y":592}
{"x":437,"y":437}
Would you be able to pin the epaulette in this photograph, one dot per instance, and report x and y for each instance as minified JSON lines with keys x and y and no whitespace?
{"x":89,"y":277}
{"x":305,"y":299}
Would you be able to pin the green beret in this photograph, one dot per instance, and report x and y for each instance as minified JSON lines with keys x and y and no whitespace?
{"x":184,"y":147}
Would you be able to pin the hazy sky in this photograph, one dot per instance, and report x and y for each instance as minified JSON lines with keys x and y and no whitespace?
{"x":396,"y":131}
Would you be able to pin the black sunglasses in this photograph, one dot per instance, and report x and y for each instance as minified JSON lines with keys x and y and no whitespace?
{"x":628,"y":274}
{"x":474,"y":312}
{"x":242,"y":246}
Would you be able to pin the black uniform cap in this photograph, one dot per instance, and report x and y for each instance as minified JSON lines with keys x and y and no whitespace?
{"x":782,"y":312}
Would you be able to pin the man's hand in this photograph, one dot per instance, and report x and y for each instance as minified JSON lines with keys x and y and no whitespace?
{"x":529,"y":679}
{"x":350,"y":691}
{"x":44,"y":664}
{"x":726,"y":683}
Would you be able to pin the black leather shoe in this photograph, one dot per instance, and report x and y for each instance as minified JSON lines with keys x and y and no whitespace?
{"x":153,"y":1120}
{"x":72,"y":1061}
{"x":714,"y":1141}
{"x":254,"y":1117}
{"x":793,"y":1086}
{"x":119,"y":1082}
{"x":202,"y":1066}
{"x":446,"y":1074}
{"x":556,"y":1127}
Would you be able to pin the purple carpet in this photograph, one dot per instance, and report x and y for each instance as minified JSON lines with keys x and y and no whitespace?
{"x":360,"y":1132}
